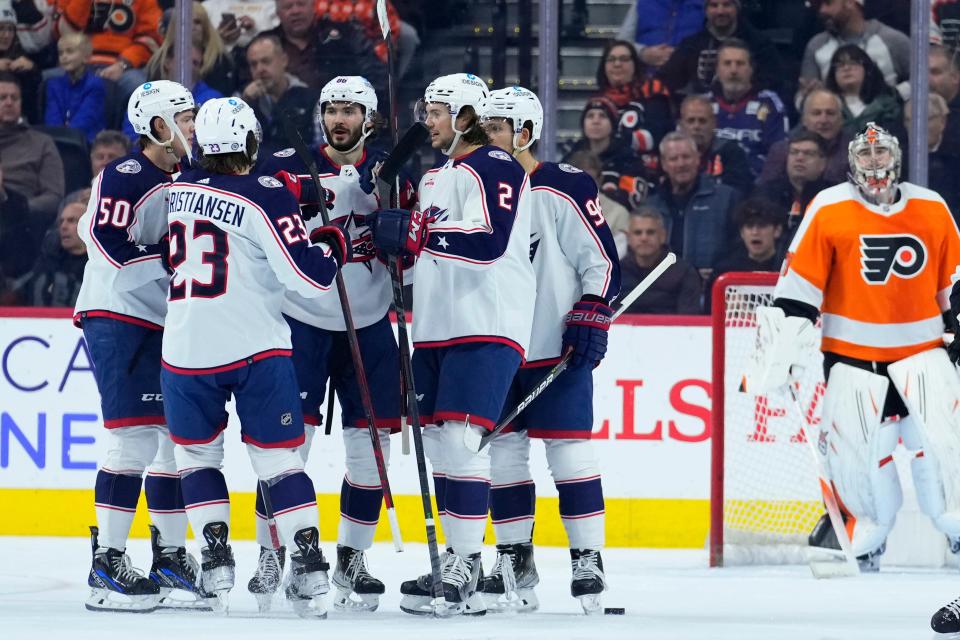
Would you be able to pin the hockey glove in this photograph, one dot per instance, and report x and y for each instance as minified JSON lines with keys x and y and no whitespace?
{"x":398,"y":232}
{"x":368,"y":176}
{"x":334,"y":238}
{"x":305,"y":191}
{"x":586,"y":332}
{"x":165,"y":253}
{"x":953,"y":324}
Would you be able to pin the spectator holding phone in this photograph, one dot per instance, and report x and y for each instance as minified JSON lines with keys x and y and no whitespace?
{"x":239,"y":21}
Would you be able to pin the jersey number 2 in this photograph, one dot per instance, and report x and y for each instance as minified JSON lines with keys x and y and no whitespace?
{"x":216,"y":259}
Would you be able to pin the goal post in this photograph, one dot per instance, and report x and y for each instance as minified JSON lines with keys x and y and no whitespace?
{"x":764,"y":495}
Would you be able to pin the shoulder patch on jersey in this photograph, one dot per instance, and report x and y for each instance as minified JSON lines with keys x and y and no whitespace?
{"x":130,"y":166}
{"x":569,"y":168}
{"x":270,"y":182}
{"x":203,"y":181}
{"x":285,"y":153}
{"x":499,"y":154}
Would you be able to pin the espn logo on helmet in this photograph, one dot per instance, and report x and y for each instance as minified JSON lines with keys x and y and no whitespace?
{"x":902,"y":255}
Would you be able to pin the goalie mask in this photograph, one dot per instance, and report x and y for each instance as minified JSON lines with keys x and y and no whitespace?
{"x":518,"y":106}
{"x":223,"y":125}
{"x":348,"y":89}
{"x":875,"y":164}
{"x":162,"y":99}
{"x":457,"y":90}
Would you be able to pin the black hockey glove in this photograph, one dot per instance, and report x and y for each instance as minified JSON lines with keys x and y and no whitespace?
{"x":586,"y":333}
{"x":165,"y":253}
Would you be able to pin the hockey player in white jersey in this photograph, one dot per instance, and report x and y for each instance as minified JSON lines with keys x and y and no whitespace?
{"x":578,"y":274}
{"x":473,"y":298}
{"x":121,"y":308}
{"x":347,"y":115}
{"x":237,"y":241}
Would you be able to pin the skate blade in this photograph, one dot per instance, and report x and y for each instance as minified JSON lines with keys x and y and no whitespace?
{"x":591,"y":604}
{"x":519,"y":601}
{"x":314,"y":608}
{"x":182,"y":600}
{"x":474,"y":606}
{"x":111,"y":601}
{"x":219,"y":602}
{"x":264,"y":601}
{"x":421,"y":605}
{"x":348,"y":601}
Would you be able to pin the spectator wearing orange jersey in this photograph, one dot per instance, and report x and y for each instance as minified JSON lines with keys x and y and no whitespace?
{"x":124,"y":36}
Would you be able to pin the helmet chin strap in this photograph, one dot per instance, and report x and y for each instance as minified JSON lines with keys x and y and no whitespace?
{"x":175,"y":134}
{"x":365,"y":130}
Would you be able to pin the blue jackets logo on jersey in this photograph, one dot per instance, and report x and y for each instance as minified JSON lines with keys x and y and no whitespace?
{"x":901,"y":254}
{"x":435,"y":214}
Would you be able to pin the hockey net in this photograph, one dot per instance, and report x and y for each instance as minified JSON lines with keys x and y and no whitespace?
{"x":765,"y":496}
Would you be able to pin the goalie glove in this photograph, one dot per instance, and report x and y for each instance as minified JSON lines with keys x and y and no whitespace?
{"x":783,"y":342}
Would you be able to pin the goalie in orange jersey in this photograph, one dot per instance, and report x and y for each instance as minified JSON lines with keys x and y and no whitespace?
{"x":874,"y":259}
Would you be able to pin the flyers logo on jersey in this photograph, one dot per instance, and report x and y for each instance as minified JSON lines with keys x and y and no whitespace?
{"x":900,"y":254}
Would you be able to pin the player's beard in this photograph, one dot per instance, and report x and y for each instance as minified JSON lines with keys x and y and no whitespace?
{"x":350,"y":143}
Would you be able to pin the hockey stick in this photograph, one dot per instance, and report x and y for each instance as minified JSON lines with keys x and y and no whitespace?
{"x":328,"y":419}
{"x":412,"y":139}
{"x":294,"y":138}
{"x":472,"y":439}
{"x":821,"y":569}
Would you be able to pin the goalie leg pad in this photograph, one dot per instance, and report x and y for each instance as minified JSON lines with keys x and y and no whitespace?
{"x":512,"y":492}
{"x":858,"y":452}
{"x":930,"y":387}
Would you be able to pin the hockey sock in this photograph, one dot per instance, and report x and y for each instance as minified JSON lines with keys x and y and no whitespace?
{"x":294,"y":503}
{"x":512,"y":508}
{"x":261,"y":524}
{"x":512,"y":492}
{"x":359,"y":513}
{"x":440,"y":494}
{"x":165,"y":504}
{"x":361,"y":493}
{"x":577,"y":477}
{"x":205,"y":497}
{"x":467,"y":492}
{"x":115,"y":499}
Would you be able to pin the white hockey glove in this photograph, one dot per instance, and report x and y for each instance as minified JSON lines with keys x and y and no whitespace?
{"x":783,"y":343}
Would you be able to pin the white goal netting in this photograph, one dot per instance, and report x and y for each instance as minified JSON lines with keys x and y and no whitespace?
{"x":766,"y":496}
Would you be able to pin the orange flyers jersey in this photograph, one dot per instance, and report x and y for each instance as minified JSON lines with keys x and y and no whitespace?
{"x":880,"y":276}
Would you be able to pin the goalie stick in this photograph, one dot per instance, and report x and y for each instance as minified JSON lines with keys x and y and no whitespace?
{"x":412,"y":139}
{"x":473,"y":441}
{"x":826,"y":569}
{"x":293,"y":137}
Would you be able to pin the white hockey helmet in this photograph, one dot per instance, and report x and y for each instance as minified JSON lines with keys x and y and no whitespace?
{"x":457,"y":90}
{"x":356,"y":89}
{"x":875,"y":161}
{"x":162,"y":99}
{"x":223,"y":125}
{"x":518,"y":105}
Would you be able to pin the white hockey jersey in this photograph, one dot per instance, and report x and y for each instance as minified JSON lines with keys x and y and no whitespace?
{"x":474,"y":281}
{"x":236,"y":243}
{"x":365,"y":277}
{"x":125,"y":219}
{"x":572,"y":251}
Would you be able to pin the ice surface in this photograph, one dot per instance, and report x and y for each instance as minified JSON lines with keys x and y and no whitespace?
{"x":668,"y":595}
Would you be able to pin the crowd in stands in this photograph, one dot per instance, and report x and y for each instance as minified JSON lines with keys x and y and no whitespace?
{"x":721,"y":137}
{"x":708,"y":135}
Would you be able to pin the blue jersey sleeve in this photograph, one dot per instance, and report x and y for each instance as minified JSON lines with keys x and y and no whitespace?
{"x":492,"y":189}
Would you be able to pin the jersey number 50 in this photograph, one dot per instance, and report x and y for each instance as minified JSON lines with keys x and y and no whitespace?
{"x":215,"y":258}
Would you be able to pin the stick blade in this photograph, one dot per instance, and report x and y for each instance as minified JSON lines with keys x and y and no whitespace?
{"x":412,"y":140}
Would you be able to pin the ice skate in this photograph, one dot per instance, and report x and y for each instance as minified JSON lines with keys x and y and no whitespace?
{"x":588,"y":581}
{"x":947,"y":619}
{"x":418,"y":597}
{"x":824,"y":539}
{"x":351,"y":578}
{"x":509,"y":587}
{"x":117,"y":586}
{"x":175,"y":572}
{"x":308,"y":582}
{"x":265,"y":582}
{"x":461,"y":577}
{"x":218,"y":567}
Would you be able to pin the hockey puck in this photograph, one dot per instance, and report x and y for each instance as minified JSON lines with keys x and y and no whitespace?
{"x":614,"y":611}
